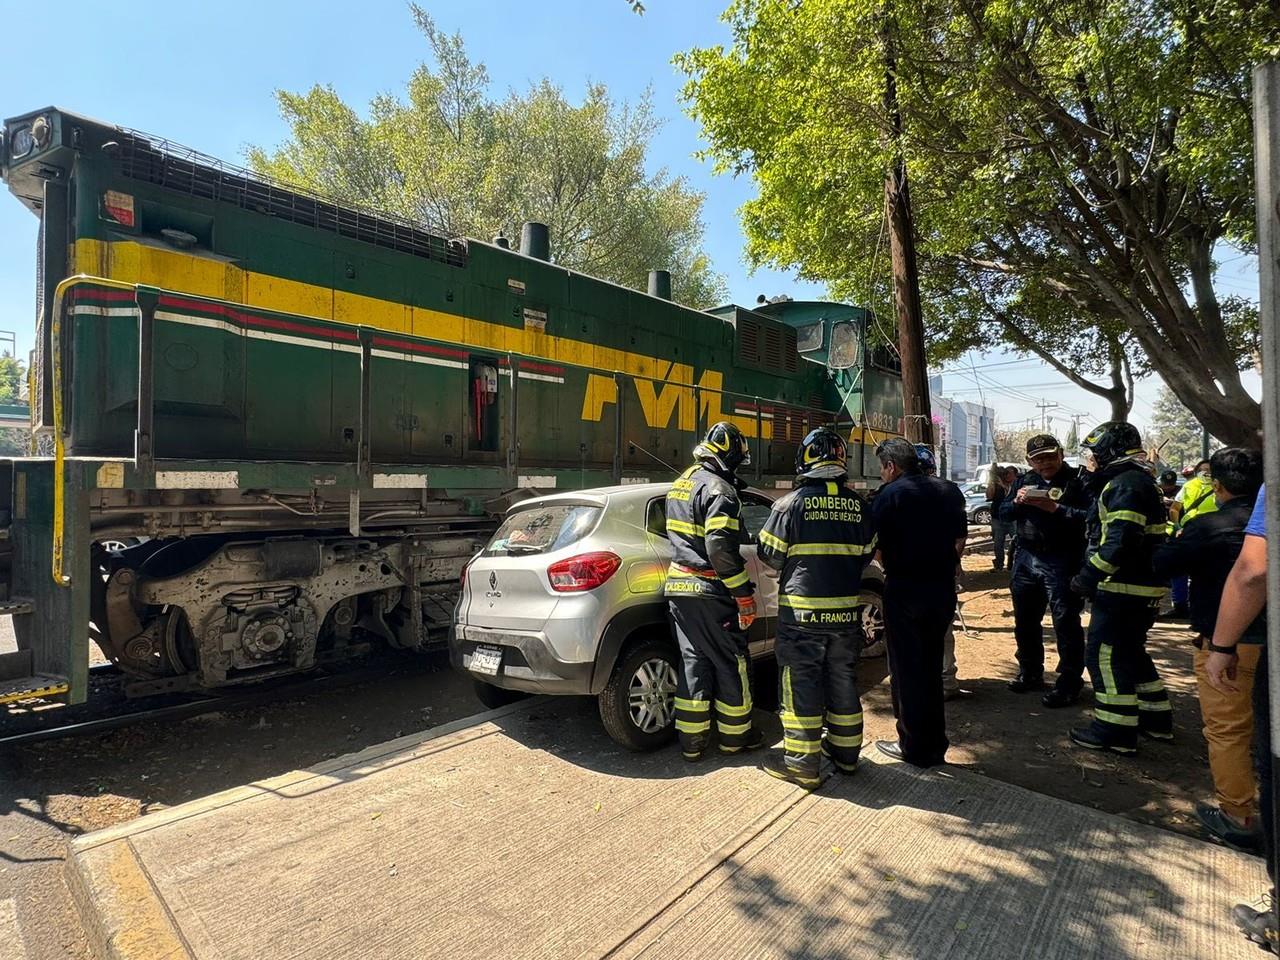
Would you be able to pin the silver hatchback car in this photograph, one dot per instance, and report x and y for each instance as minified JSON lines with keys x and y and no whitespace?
{"x":566,"y":598}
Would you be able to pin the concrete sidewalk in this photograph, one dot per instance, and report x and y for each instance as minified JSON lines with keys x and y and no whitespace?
{"x":527,"y":833}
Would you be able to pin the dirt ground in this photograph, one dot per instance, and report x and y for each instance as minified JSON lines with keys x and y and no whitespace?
{"x":49,"y":791}
{"x":1012,"y":737}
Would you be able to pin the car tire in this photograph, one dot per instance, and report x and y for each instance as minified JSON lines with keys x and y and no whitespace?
{"x":872,"y":621}
{"x":647,"y":668}
{"x":982,"y":515}
{"x":494,"y":697}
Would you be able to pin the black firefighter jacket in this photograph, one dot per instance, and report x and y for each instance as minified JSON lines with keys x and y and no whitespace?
{"x":820,"y":536}
{"x":704,"y":526}
{"x":1126,"y":525}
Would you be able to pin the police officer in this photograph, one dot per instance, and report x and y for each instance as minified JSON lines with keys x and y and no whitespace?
{"x":820,"y":537}
{"x":1049,"y":506}
{"x":1125,"y":526}
{"x":711,"y":598}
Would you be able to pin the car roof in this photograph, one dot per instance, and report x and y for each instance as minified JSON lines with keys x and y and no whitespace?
{"x":598,"y":495}
{"x":620,"y":493}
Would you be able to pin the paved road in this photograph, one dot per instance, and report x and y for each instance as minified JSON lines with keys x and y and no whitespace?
{"x":528,"y":834}
{"x":52,"y":791}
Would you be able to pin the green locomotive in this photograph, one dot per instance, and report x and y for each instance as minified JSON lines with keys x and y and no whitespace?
{"x":281,"y":426}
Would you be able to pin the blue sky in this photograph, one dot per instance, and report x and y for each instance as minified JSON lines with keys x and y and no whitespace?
{"x":203,"y":75}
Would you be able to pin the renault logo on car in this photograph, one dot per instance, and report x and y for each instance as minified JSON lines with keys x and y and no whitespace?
{"x":493,"y":580}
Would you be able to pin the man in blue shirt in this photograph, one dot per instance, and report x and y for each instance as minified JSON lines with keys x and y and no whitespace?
{"x":921,"y":526}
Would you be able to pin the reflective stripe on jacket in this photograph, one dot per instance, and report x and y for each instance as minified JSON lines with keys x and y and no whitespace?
{"x":1126,"y":526}
{"x":820,"y":536}
{"x":704,"y":525}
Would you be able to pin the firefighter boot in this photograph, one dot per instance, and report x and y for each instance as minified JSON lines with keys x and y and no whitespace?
{"x":1091,"y":739}
{"x":775,"y":765}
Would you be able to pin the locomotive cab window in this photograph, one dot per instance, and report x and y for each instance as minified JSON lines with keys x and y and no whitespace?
{"x":846,"y":344}
{"x":809,"y":338}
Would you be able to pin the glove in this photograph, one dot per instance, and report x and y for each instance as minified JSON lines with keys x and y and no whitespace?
{"x":1083,"y":585}
{"x":746,"y":611}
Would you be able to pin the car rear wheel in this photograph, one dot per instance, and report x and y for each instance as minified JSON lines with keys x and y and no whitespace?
{"x":638,"y":704}
{"x":982,"y":515}
{"x":872,"y":611}
{"x":494,"y":697}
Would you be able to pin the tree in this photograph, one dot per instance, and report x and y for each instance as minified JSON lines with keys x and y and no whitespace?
{"x":13,"y":377}
{"x":14,"y":441}
{"x":1011,"y":445}
{"x":450,"y":156}
{"x":1074,"y":168}
{"x":1175,"y":432}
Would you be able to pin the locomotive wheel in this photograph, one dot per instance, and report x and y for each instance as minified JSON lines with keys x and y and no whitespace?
{"x":179,"y":643}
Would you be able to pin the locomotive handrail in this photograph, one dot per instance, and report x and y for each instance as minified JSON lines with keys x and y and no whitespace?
{"x":59,"y":443}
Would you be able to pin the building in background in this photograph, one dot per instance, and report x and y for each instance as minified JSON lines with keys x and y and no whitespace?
{"x":966,"y":433}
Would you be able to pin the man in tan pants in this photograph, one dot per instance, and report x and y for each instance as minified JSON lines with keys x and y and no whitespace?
{"x":1206,"y":549}
{"x":1228,"y":730}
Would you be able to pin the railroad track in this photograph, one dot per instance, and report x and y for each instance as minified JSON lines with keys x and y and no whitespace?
{"x":266,"y":692}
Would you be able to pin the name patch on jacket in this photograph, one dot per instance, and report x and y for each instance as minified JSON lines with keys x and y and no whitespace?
{"x":832,"y":508}
{"x":682,"y":489}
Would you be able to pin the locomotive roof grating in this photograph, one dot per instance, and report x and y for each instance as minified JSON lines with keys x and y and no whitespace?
{"x":175,"y":167}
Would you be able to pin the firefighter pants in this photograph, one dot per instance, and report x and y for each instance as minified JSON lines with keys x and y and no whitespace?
{"x":818,"y":686}
{"x":1127,"y":691}
{"x":714,"y":674}
{"x":1037,"y":583}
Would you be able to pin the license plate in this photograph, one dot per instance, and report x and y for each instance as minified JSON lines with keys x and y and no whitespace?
{"x":486,"y":660}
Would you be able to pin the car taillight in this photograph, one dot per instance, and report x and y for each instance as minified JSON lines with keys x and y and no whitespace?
{"x":583,"y":572}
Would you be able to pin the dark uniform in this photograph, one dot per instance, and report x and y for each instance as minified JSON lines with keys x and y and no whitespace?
{"x":1051,"y":548}
{"x":707,"y":573}
{"x":1125,"y":527}
{"x":820,"y":537}
{"x":918,"y":520}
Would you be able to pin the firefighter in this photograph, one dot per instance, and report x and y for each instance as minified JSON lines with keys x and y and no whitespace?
{"x":711,"y":598}
{"x":1125,"y":526}
{"x":820,"y":538}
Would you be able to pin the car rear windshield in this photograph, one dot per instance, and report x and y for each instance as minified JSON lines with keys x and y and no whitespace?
{"x":542,"y":529}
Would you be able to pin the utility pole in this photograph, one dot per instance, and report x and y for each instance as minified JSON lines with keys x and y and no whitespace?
{"x":1204,"y":442}
{"x":1044,"y":406}
{"x":917,"y":418}
{"x":1266,"y":152}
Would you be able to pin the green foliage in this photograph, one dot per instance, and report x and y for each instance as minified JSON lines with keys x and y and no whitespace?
{"x":15,"y":442}
{"x":13,"y":375}
{"x":1175,"y":431}
{"x":1011,"y":445}
{"x":449,"y":155}
{"x":1074,"y":166}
